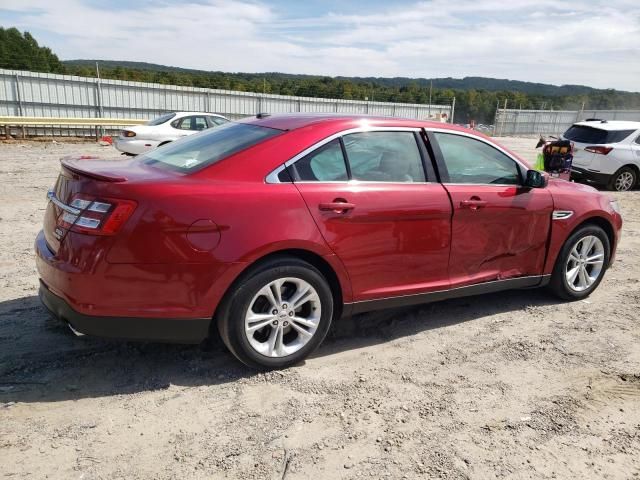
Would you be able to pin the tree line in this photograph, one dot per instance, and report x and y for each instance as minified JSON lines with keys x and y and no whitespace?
{"x":476,"y":98}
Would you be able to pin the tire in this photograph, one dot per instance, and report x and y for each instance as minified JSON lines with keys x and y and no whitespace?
{"x":572,"y":256}
{"x":623,"y":180}
{"x":276,"y":339}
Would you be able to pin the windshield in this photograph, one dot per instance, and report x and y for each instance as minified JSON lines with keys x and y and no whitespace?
{"x":161,"y":119}
{"x":209,"y":147}
{"x":584,"y":134}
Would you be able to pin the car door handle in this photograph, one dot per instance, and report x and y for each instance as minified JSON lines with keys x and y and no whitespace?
{"x":473,"y":203}
{"x":336,"y":206}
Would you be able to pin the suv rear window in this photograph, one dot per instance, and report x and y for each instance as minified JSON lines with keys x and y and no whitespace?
{"x":208,"y":147}
{"x":584,"y":134}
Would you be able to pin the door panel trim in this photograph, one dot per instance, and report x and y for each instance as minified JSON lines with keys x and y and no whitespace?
{"x":465,"y":291}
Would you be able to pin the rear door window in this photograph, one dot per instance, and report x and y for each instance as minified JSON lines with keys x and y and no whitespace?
{"x":199,"y":123}
{"x":326,"y":164}
{"x":183,"y":123}
{"x":384,"y":157}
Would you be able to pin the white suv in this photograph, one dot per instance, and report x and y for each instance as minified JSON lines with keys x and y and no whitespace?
{"x":606,"y":153}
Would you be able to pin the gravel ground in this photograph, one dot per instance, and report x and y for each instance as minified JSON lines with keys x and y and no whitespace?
{"x":511,"y":385}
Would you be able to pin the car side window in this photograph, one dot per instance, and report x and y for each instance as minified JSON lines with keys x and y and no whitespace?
{"x":326,"y":164}
{"x":199,"y":123}
{"x":214,"y":121}
{"x":183,"y":123}
{"x":384,"y":157}
{"x":638,"y":140}
{"x":468,"y":160}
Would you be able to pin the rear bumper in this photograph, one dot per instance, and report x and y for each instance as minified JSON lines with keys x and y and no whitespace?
{"x":134,"y":146}
{"x":584,"y":175}
{"x":153,"y":329}
{"x":79,"y":274}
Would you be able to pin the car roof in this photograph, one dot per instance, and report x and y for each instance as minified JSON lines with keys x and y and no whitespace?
{"x":610,"y":124}
{"x":293,"y":121}
{"x":182,"y":114}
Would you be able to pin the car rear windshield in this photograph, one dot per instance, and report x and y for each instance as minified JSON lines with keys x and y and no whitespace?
{"x":161,"y":119}
{"x":208,"y":147}
{"x":584,"y":134}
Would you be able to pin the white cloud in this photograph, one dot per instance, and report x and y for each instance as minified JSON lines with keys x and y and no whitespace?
{"x":592,"y":42}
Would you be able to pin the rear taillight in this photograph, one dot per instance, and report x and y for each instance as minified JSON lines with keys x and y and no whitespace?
{"x":97,"y":216}
{"x":599,"y":150}
{"x":128,"y":133}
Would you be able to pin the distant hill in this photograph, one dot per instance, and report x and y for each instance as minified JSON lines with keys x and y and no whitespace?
{"x":484,"y":83}
{"x":466,"y":83}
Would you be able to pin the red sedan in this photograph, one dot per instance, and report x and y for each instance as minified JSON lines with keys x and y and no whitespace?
{"x":271,"y":228}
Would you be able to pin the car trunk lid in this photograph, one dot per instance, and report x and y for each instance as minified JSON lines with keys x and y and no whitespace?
{"x":95,"y":178}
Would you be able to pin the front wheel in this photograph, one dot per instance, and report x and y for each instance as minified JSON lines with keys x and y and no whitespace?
{"x":581,"y":263}
{"x":278,"y":315}
{"x":623,"y":180}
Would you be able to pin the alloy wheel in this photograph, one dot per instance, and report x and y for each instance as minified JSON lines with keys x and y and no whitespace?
{"x":624,"y":181}
{"x":282,"y":317}
{"x":584,"y":263}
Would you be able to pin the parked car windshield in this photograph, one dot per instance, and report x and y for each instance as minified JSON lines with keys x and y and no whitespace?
{"x":584,"y":134}
{"x":161,"y":119}
{"x":208,"y":147}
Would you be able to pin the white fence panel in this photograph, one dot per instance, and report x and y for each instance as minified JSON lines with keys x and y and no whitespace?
{"x":50,"y":95}
{"x":551,"y":122}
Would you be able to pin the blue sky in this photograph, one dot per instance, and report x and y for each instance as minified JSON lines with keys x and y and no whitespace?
{"x":590,"y":42}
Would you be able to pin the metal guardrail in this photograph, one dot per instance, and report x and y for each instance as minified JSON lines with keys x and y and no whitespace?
{"x":93,"y":123}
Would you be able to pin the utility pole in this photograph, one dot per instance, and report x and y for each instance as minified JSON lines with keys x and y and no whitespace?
{"x":580,"y":113}
{"x":504,"y":116}
{"x":430,"y":91}
{"x":453,"y":109}
{"x":100,"y":108}
{"x":495,"y":119}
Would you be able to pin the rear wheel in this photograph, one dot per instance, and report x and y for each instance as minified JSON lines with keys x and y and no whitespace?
{"x":278,"y":314}
{"x":623,"y":180}
{"x":581,"y":263}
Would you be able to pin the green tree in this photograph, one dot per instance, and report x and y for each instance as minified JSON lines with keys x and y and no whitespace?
{"x":20,"y":51}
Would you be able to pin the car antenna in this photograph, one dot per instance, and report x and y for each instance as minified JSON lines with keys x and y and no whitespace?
{"x":262,"y":115}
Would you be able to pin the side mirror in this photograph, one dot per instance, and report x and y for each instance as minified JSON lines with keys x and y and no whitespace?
{"x":536,"y":179}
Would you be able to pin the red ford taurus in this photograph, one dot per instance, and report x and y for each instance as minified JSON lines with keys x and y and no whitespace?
{"x":271,"y":228}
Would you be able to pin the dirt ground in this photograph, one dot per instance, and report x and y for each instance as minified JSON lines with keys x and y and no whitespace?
{"x":510,"y":385}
